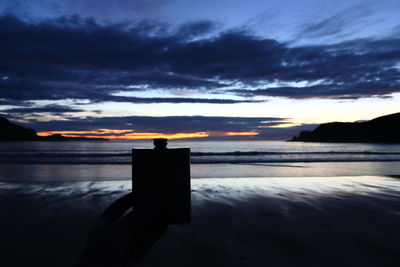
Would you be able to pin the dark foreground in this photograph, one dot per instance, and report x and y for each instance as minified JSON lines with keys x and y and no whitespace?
{"x":340,"y":221}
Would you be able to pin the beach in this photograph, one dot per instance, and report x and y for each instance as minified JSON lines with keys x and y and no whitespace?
{"x":284,"y":221}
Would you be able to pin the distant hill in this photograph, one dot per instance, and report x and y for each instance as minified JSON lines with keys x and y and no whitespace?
{"x":385,"y":129}
{"x":12,"y":132}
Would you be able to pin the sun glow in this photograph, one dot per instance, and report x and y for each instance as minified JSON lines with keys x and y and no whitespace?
{"x":114,"y":134}
{"x":241,"y":133}
{"x":124,"y":134}
{"x":139,"y":136}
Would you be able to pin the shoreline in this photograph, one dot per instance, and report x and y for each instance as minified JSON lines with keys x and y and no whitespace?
{"x":114,"y":172}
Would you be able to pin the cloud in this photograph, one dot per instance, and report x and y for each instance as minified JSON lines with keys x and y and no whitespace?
{"x":53,"y":109}
{"x":159,"y":124}
{"x":257,"y":128}
{"x":343,"y":22}
{"x":8,"y":102}
{"x":353,"y":91}
{"x":74,"y":58}
{"x":153,"y":100}
{"x":196,"y":28}
{"x":19,"y":90}
{"x":100,"y":9}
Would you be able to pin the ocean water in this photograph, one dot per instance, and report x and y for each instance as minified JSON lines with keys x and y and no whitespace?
{"x":93,"y":161}
{"x":294,"y":202}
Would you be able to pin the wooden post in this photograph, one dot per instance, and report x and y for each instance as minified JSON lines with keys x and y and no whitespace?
{"x":161,"y":181}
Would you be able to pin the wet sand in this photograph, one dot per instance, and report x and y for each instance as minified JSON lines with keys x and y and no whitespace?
{"x":318,"y":221}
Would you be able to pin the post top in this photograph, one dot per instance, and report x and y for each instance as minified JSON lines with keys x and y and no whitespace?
{"x":160,"y":143}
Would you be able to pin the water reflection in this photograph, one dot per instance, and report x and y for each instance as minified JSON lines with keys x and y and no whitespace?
{"x":288,"y":219}
{"x":235,"y":188}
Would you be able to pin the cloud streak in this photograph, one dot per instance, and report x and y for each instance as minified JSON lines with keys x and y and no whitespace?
{"x":147,"y":127}
{"x":53,"y":109}
{"x":338,"y":24}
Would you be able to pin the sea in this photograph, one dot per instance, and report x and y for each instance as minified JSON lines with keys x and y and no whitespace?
{"x":294,"y":202}
{"x":112,"y":160}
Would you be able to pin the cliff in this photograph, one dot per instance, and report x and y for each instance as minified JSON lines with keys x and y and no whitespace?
{"x":385,"y":129}
{"x":13,"y":132}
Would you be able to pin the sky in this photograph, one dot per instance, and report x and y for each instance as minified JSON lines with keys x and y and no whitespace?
{"x":200,"y":69}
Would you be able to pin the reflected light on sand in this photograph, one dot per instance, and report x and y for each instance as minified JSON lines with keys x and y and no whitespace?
{"x":301,"y":186}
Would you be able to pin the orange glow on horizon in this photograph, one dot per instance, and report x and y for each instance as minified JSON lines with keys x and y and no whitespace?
{"x":241,"y":133}
{"x":125,"y":134}
{"x":133,"y":136}
{"x":112,"y":134}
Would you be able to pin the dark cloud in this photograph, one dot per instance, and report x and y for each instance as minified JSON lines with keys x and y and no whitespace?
{"x":8,"y":102}
{"x":17,"y":91}
{"x":353,"y":91}
{"x":53,"y":109}
{"x":180,"y":124}
{"x":78,"y":58}
{"x":154,"y":100}
{"x":170,"y":124}
{"x":196,"y":28}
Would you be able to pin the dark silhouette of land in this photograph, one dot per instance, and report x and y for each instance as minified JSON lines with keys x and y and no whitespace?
{"x":385,"y":129}
{"x":12,"y":132}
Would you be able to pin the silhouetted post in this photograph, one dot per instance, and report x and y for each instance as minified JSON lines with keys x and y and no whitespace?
{"x":161,"y":181}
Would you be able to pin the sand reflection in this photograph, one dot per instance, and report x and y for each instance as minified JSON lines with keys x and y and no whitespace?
{"x":235,"y":222}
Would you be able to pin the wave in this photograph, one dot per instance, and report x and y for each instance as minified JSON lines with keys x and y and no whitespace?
{"x":125,"y":161}
{"x":52,"y":153}
{"x":261,"y":153}
{"x":255,"y":162}
{"x":68,"y":155}
{"x":235,"y":157}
